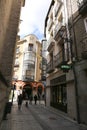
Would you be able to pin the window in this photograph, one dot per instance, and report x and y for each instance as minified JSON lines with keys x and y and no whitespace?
{"x":30,"y":47}
{"x":59,"y":94}
{"x":85,"y":22}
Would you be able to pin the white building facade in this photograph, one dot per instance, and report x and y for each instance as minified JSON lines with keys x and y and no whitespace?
{"x":62,"y":80}
{"x":58,"y":54}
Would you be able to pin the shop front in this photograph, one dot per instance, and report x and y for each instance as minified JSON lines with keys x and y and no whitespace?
{"x":59,"y":93}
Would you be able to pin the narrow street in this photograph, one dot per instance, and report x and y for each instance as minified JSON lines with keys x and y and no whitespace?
{"x":37,"y":117}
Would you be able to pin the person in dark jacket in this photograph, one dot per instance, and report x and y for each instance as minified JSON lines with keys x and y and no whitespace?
{"x":35,"y":99}
{"x":20,"y":101}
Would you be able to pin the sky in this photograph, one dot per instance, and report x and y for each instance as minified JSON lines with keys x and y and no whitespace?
{"x":33,"y":16}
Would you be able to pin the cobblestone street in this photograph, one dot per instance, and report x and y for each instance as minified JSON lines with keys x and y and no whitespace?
{"x":38,"y":117}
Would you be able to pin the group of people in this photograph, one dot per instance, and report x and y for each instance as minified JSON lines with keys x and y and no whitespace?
{"x":20,"y":100}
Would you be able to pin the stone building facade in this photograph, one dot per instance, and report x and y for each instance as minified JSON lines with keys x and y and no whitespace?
{"x":9,"y":20}
{"x":27,"y":66}
{"x":78,"y":33}
{"x":66,"y":33}
{"x":56,"y":90}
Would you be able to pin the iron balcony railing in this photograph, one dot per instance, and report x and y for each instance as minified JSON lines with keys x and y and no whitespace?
{"x":50,"y":66}
{"x":62,"y":57}
{"x":59,"y":58}
{"x":51,"y":43}
{"x":58,"y":27}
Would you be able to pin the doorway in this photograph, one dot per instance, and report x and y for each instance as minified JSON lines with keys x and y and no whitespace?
{"x":27,"y":90}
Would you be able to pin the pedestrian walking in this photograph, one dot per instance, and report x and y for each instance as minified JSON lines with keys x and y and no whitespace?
{"x":20,"y":99}
{"x":26,"y":98}
{"x":35,"y":99}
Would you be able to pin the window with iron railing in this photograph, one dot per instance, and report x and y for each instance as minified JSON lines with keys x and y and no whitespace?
{"x":61,"y":57}
{"x":50,"y":66}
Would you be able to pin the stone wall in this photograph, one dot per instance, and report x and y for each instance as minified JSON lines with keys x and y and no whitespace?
{"x":77,"y":30}
{"x":9,"y":19}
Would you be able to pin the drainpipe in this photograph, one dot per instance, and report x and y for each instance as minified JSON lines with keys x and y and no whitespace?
{"x":76,"y":93}
{"x":73,"y":64}
{"x":73,"y":67}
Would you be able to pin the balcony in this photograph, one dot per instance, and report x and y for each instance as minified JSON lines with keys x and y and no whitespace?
{"x":61,"y":58}
{"x":84,"y":47}
{"x":82,"y":4}
{"x":59,"y":27}
{"x":28,"y":78}
{"x":51,"y":43}
{"x":50,"y":67}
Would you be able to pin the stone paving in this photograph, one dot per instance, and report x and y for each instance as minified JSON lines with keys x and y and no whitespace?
{"x":37,"y":117}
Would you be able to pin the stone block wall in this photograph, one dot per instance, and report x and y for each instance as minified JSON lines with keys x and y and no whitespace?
{"x":9,"y":20}
{"x":77,"y":29}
